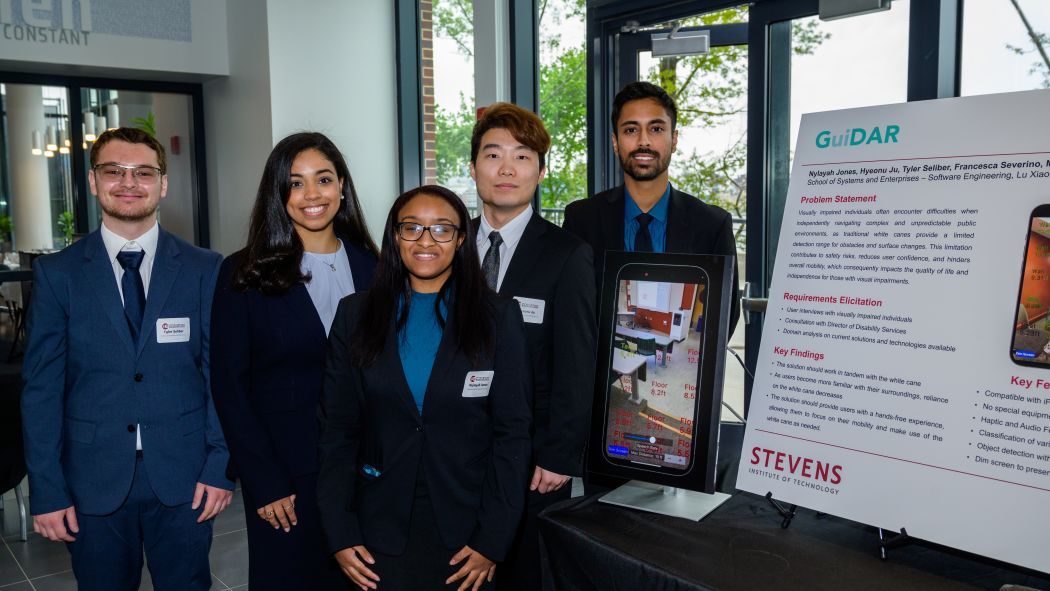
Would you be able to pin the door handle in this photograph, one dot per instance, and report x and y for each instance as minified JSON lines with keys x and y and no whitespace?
{"x":752,"y":305}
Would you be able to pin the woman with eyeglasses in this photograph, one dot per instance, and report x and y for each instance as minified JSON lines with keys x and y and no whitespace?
{"x":308,"y":247}
{"x":425,"y":411}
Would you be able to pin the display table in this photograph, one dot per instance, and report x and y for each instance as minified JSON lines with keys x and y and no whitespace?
{"x":589,"y":545}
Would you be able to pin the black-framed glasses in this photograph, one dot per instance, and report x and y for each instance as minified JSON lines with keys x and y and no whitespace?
{"x":412,"y":231}
{"x":114,"y":172}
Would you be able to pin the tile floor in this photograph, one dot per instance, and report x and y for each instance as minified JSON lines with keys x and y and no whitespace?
{"x":40,"y":565}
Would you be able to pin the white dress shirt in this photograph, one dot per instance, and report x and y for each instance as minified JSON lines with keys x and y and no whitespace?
{"x":511,"y":233}
{"x":146,"y":243}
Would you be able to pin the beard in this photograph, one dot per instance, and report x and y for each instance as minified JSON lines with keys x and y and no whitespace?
{"x":631,"y":169}
{"x":132,"y":213}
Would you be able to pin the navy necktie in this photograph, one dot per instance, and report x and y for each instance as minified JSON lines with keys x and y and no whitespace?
{"x":134,"y":292}
{"x":643,"y":240}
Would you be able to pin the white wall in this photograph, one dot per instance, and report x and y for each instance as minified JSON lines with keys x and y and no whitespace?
{"x":336,"y":73}
{"x":237,"y":126}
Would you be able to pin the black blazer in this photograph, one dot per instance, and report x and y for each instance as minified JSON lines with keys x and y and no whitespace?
{"x":267,"y":355}
{"x":474,"y":451}
{"x":554,"y":266}
{"x":693,"y":227}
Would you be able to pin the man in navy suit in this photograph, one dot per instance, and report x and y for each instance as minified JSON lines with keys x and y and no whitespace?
{"x":124,"y":450}
{"x":646,"y":213}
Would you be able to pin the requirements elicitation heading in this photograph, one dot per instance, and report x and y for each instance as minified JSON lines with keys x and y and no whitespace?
{"x":842,"y":299}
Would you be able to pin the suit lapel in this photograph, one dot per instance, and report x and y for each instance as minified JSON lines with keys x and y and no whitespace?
{"x":612,"y":220}
{"x":99,"y":273}
{"x":162,"y":277}
{"x":443,"y":359}
{"x":390,"y":359}
{"x":526,"y":255}
{"x":298,"y":299}
{"x":678,"y":232}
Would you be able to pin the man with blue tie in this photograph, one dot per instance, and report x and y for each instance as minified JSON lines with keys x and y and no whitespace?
{"x":124,"y":450}
{"x":646,"y":213}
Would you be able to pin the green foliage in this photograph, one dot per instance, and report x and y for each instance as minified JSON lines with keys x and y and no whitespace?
{"x":453,"y":140}
{"x":67,"y":226}
{"x":6,"y":227}
{"x":563,"y":108}
{"x":454,"y":19}
{"x":147,"y":124}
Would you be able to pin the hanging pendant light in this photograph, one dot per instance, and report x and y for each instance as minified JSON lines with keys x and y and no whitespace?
{"x":52,"y":139}
{"x":100,"y":124}
{"x":89,"y":127}
{"x":63,"y":141}
{"x":113,"y":115}
{"x":38,"y":142}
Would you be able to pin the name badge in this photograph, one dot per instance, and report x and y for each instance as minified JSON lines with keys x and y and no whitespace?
{"x":531,"y":310}
{"x":477,"y":384}
{"x":173,"y":330}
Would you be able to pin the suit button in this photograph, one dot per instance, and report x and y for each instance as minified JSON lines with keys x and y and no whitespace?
{"x":419,"y":428}
{"x":138,"y":377}
{"x":131,"y":428}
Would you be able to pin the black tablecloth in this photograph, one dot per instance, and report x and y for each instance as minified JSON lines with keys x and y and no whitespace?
{"x":589,"y":545}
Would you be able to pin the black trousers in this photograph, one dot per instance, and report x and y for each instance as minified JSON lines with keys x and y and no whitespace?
{"x":424,"y":565}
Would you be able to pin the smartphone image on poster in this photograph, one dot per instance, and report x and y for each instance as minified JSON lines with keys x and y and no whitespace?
{"x":1030,"y":344}
{"x":655,"y":367}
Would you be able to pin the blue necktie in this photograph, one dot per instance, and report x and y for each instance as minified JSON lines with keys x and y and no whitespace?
{"x":643,"y":240}
{"x":134,"y":292}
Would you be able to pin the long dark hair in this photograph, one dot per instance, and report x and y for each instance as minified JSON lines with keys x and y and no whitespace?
{"x":465,"y":293}
{"x":270,"y":261}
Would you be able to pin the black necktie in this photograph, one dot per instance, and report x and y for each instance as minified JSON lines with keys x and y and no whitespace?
{"x":490,"y":264}
{"x":134,"y":292}
{"x":643,"y":241}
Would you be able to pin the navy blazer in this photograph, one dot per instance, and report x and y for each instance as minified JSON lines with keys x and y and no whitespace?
{"x":693,"y":227}
{"x":267,"y":369}
{"x":87,"y":384}
{"x":474,"y":451}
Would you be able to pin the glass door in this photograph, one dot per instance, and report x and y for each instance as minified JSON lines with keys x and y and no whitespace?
{"x":710,"y":91}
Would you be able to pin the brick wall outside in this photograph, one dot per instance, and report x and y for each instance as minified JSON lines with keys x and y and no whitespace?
{"x":426,"y":31}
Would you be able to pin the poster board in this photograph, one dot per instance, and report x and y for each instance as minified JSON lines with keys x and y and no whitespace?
{"x":888,"y":388}
{"x":658,"y":387}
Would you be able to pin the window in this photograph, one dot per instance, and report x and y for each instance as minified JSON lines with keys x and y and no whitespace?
{"x":1005,"y":46}
{"x":563,"y":103}
{"x":447,"y":40}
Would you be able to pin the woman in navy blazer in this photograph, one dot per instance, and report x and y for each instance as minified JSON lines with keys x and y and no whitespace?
{"x":425,"y":412}
{"x":308,"y":246}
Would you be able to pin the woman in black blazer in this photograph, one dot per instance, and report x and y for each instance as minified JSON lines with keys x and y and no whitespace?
{"x":308,"y":246}
{"x":425,"y":411}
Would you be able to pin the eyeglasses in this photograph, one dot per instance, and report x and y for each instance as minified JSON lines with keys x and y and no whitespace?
{"x":411,"y":231}
{"x":113,"y":172}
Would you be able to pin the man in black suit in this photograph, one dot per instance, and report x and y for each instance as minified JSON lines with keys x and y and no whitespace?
{"x":647,"y":214}
{"x":550,"y":273}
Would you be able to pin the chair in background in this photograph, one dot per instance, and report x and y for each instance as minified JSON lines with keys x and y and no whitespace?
{"x":647,"y":348}
{"x":12,"y":452}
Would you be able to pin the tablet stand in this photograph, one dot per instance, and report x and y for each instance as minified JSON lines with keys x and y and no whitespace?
{"x":666,"y":500}
{"x":788,"y":513}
